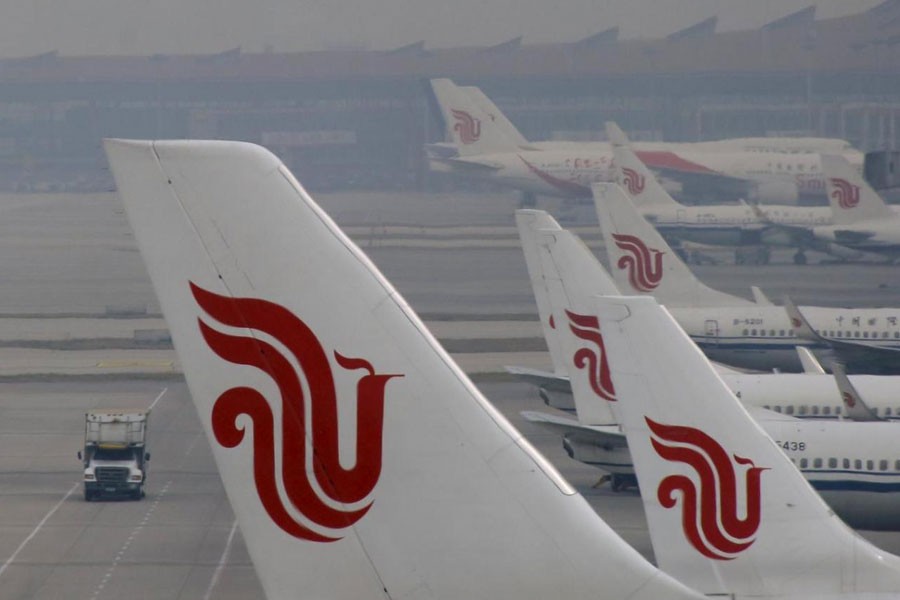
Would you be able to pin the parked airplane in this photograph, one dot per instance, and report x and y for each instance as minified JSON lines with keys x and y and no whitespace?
{"x":852,"y":464}
{"x":862,"y":219}
{"x":812,"y":394}
{"x":485,"y":144}
{"x":728,"y":512}
{"x":723,"y":225}
{"x":727,"y":328}
{"x":396,"y":477}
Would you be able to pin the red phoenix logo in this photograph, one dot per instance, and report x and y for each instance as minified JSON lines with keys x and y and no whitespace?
{"x":341,"y":486}
{"x":644,"y":270}
{"x":587,"y":328}
{"x":633,"y":181}
{"x":467,"y":126}
{"x":846,"y":194}
{"x":849,"y":399}
{"x":709,"y":516}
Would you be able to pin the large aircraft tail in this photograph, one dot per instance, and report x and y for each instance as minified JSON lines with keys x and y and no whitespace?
{"x":498,"y":119}
{"x":529,"y":222}
{"x":852,"y":199}
{"x":727,"y":510}
{"x":567,"y":275}
{"x":642,"y":262}
{"x":466,"y":124}
{"x":358,"y":458}
{"x":632,"y":174}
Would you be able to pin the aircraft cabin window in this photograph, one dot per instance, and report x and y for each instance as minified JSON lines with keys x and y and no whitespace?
{"x":771,"y":332}
{"x":865,"y":334}
{"x":762,"y":332}
{"x":777,"y":409}
{"x":870,"y":465}
{"x":887,"y":411}
{"x":801,"y":410}
{"x":882,"y":465}
{"x":815,"y":410}
{"x":817,"y":463}
{"x":839,"y":334}
{"x":781,"y":333}
{"x":789,"y":410}
{"x":897,"y":335}
{"x":745,"y":332}
{"x":837,"y":410}
{"x":897,"y":465}
{"x":804,"y":463}
{"x":826,"y":410}
{"x":752,"y":332}
{"x":857,"y":464}
{"x":847,"y":463}
{"x":884,"y":335}
{"x":832,"y":463}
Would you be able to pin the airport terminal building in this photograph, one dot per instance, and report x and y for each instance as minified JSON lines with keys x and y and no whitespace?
{"x":344,"y":119}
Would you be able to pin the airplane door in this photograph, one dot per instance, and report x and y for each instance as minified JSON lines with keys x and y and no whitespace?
{"x":711,"y":328}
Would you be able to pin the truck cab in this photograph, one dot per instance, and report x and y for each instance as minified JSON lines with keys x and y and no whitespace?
{"x":115,"y":459}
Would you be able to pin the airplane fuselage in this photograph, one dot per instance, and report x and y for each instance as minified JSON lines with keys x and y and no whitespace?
{"x":762,"y":338}
{"x":854,"y":466}
{"x":567,"y":169}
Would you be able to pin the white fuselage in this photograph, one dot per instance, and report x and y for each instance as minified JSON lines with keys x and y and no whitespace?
{"x":762,"y":338}
{"x":854,"y":466}
{"x":567,"y":169}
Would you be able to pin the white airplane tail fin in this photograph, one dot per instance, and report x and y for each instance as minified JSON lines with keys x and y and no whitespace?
{"x":466,"y":124}
{"x":727,"y":510}
{"x":852,"y":199}
{"x":359,"y":460}
{"x":632,"y":174}
{"x":529,"y":222}
{"x":498,"y":119}
{"x":640,"y":259}
{"x":573,"y":276}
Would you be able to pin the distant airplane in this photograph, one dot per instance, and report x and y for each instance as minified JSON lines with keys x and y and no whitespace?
{"x":852,"y":464}
{"x":728,"y":512}
{"x":812,"y":394}
{"x":482,"y":143}
{"x":727,"y":328}
{"x":738,"y":225}
{"x":394,"y":477}
{"x":862,"y":219}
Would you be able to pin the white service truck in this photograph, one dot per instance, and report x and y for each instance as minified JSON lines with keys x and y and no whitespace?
{"x":115,"y":453}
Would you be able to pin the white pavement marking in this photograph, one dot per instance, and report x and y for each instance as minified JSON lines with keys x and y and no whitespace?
{"x":115,"y":563}
{"x":223,"y":560}
{"x":34,"y":531}
{"x":161,"y":394}
{"x":134,"y":532}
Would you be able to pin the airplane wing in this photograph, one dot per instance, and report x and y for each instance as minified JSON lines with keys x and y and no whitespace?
{"x":760,"y":297}
{"x":809,"y":361}
{"x":605,"y":436}
{"x":469,"y":164}
{"x":856,"y":355}
{"x":855,"y":408}
{"x":537,"y":377}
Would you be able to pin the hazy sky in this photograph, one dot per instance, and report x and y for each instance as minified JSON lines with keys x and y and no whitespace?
{"x":86,"y":27}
